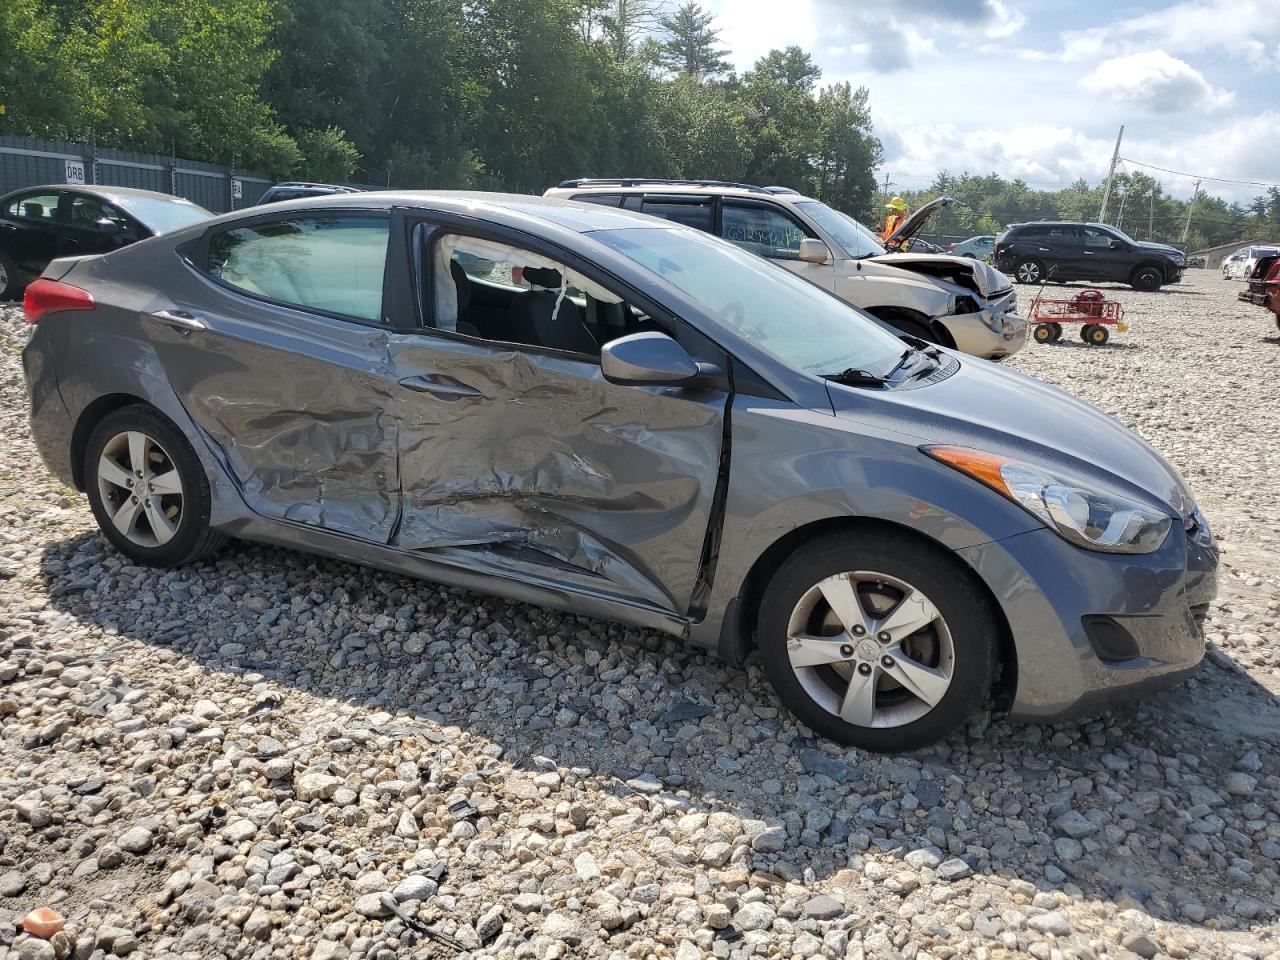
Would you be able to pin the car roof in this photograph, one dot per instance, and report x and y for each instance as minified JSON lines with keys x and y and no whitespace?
{"x":684,"y":189}
{"x":101,"y":191}
{"x":509,"y":209}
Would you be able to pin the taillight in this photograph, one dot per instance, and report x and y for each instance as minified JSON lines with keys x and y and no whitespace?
{"x":51,"y":296}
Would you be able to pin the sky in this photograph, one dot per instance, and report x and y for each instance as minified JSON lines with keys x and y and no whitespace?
{"x":1038,"y":89}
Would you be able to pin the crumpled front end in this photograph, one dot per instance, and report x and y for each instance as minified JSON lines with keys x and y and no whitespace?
{"x":993,"y":331}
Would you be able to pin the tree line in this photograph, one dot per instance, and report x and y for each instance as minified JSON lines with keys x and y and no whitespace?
{"x":502,"y":94}
{"x":1138,"y":204}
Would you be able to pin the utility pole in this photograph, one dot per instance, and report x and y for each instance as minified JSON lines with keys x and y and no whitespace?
{"x":1120,"y":217}
{"x":1151,"y":214}
{"x":886,"y":186}
{"x":1106,"y":191}
{"x":1186,"y":229}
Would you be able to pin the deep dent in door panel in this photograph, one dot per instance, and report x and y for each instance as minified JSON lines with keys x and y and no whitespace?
{"x":540,"y":463}
{"x":313,"y":446}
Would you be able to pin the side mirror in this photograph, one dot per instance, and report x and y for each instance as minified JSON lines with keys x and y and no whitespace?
{"x":649,"y":359}
{"x":814,"y":251}
{"x":1116,"y":244}
{"x":108,"y":226}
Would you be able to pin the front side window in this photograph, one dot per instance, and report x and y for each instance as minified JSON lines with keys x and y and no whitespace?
{"x":763,"y":231}
{"x":35,"y":206}
{"x":495,"y":291}
{"x":767,"y":305}
{"x":88,"y":212}
{"x":333,"y":264}
{"x":1097,"y":239}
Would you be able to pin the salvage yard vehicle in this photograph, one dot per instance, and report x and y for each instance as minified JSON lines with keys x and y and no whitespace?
{"x":1096,"y":252}
{"x":39,"y":224}
{"x":1264,"y":285}
{"x":951,"y":301}
{"x":979,"y":247}
{"x":1240,"y":265}
{"x":623,"y":418}
{"x":294,"y":190}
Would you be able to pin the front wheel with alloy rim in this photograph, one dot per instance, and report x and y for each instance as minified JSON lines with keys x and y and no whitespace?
{"x":147,"y":489}
{"x":1028,"y":271}
{"x":1148,"y":279}
{"x":882,"y":642}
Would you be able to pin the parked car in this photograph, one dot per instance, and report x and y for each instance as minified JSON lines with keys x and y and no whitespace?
{"x":1240,"y":265}
{"x":1058,"y":250}
{"x":978,"y":247}
{"x":630,"y":420}
{"x":945,"y":300}
{"x":1264,"y":285}
{"x":294,"y":190}
{"x":38,"y":224}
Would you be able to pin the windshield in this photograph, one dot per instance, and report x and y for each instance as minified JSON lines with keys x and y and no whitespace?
{"x":856,"y":239}
{"x":162,"y":215}
{"x":797,"y":322}
{"x":1123,"y":236}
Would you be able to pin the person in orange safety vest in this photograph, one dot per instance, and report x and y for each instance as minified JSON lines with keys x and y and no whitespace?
{"x":895,"y":214}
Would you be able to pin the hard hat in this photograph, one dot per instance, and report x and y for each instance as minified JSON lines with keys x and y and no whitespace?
{"x":897,"y":203}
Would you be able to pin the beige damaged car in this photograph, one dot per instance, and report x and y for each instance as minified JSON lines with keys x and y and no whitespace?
{"x":953,"y":301}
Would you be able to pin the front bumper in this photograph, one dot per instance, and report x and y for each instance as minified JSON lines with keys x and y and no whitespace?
{"x":1054,"y":596}
{"x":993,"y":333}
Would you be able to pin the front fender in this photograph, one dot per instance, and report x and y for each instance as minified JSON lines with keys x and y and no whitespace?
{"x":793,"y":468}
{"x":902,"y":291}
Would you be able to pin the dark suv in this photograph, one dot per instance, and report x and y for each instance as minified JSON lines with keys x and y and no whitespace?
{"x":292,"y":190}
{"x":1055,"y":250}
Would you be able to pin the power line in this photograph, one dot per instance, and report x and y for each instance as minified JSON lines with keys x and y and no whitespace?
{"x":1196,"y":176}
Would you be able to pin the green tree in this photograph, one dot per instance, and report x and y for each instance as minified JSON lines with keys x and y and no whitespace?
{"x":692,"y":44}
{"x":783,"y":122}
{"x":847,"y":151}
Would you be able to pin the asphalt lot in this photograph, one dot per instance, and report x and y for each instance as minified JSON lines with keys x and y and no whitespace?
{"x":240,"y":758}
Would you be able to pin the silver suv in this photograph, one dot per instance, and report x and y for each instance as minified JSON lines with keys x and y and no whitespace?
{"x":953,"y":301}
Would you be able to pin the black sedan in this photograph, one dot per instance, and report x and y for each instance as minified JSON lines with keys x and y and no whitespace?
{"x":39,"y":224}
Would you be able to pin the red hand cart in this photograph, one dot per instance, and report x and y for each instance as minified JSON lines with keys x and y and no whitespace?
{"x":1088,"y":307}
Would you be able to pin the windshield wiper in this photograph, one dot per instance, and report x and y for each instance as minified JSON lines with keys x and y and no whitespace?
{"x":854,"y":377}
{"x":903,"y":360}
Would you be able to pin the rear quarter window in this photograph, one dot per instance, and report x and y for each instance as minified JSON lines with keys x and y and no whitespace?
{"x":696,"y":214}
{"x":331,"y":264}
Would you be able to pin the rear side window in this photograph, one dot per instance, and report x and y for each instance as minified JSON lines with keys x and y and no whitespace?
{"x":603,"y":199}
{"x":333,"y":264}
{"x":691,"y":213}
{"x":34,"y":206}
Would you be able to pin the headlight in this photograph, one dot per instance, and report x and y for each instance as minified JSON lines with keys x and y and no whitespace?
{"x":1078,"y":510}
{"x":965,"y":304}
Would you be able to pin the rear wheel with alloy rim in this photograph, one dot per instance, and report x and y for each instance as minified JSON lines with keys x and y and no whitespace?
{"x":8,"y":277}
{"x":884,"y":642}
{"x":1028,"y":271}
{"x":148,"y":491}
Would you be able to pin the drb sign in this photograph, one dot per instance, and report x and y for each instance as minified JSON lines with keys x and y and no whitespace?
{"x":75,"y":171}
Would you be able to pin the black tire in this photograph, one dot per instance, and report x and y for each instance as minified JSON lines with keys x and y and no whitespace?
{"x":1043,"y":333}
{"x":9,"y":286}
{"x":965,"y":607}
{"x":1028,"y":270}
{"x":1057,"y":331}
{"x":1146,"y":279}
{"x":1085,"y":331}
{"x":911,"y":326}
{"x":193,"y":538}
{"x":1099,"y":335}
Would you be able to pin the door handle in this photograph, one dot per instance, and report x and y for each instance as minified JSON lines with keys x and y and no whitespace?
{"x":179,"y":320}
{"x":439,"y":387}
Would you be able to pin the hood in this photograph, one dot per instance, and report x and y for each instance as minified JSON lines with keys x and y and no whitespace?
{"x":987,"y":407}
{"x":915,"y":223}
{"x":962,"y":271}
{"x":1156,"y":247}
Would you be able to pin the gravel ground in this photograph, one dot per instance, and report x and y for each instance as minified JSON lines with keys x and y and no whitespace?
{"x":243,"y":758}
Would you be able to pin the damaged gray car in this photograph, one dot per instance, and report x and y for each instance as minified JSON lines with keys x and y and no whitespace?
{"x":631,"y":419}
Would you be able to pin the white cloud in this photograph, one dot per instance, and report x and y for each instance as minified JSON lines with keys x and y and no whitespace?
{"x":1240,"y":28}
{"x":1049,"y":156}
{"x":1156,"y":81}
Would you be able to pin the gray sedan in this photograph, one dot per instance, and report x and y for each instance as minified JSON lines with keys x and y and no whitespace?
{"x":626,"y":418}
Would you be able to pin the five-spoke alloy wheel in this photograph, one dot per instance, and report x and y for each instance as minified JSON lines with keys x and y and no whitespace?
{"x":882,"y":641}
{"x":149,"y":493}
